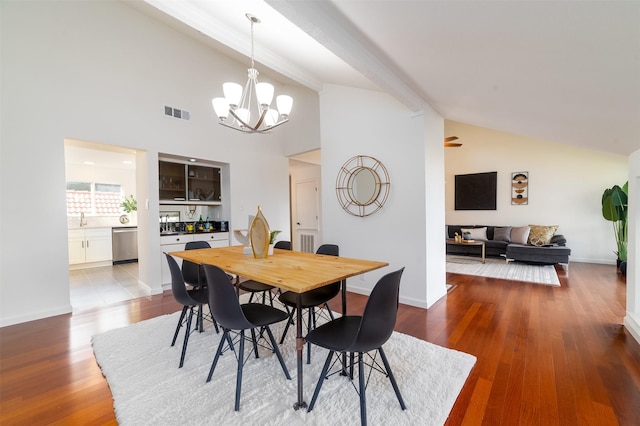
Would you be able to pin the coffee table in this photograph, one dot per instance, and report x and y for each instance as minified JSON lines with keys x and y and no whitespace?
{"x":468,"y":243}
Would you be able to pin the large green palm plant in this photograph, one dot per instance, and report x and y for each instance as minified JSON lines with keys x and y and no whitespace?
{"x":615,"y":208}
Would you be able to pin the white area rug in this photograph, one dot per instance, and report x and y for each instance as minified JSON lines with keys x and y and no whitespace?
{"x":149,"y":389}
{"x":498,"y":268}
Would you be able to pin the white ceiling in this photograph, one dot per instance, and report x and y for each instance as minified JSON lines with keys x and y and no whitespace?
{"x":563,"y":71}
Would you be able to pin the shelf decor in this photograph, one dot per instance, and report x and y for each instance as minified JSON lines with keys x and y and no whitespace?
{"x":260,"y":235}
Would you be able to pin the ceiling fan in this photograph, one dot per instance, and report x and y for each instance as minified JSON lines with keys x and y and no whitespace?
{"x":448,"y":142}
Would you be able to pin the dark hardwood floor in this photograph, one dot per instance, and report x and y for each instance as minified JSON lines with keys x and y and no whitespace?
{"x":546,"y":355}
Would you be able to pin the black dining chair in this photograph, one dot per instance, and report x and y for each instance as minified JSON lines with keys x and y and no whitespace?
{"x":193,"y":275}
{"x":359,"y":335}
{"x":312,"y":299}
{"x":235,"y":319}
{"x":255,"y":287}
{"x":189,"y":299}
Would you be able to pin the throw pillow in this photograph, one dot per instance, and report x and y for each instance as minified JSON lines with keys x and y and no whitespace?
{"x":541,"y":235}
{"x":520,"y":234}
{"x":476,"y":233}
{"x":502,"y":233}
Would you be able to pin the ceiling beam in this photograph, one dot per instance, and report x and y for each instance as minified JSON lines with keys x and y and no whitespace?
{"x":329,"y":27}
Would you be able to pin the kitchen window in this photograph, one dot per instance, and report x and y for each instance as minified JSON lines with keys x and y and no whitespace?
{"x":94,"y":199}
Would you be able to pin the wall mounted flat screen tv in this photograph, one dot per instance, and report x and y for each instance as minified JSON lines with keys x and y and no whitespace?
{"x":476,"y":191}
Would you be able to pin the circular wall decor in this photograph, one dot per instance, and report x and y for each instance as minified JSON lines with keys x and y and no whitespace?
{"x":362,"y":185}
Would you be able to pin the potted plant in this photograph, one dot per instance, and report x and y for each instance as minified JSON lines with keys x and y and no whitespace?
{"x":466,"y":235}
{"x":272,"y":240}
{"x":615,"y":209}
{"x":129,"y":204}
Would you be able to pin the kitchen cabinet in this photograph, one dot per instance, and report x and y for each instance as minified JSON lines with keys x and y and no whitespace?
{"x":188,"y":183}
{"x":89,"y":245}
{"x":203,"y":183}
{"x":169,"y":243}
{"x":172,"y":183}
{"x":215,"y":239}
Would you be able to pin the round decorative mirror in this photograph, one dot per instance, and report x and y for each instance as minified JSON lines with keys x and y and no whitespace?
{"x":362,"y":185}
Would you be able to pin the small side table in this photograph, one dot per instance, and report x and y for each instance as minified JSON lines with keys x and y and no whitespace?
{"x":468,"y":243}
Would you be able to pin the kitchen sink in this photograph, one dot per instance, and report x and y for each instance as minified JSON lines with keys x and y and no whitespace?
{"x":163,"y":233}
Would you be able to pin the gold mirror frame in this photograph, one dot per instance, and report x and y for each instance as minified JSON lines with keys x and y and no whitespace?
{"x":362,"y":185}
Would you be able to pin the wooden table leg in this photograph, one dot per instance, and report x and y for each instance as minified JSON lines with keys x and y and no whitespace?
{"x":299,"y":345}
{"x":482,"y":252}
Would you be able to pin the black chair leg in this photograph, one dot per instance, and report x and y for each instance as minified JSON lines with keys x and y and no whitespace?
{"x":277,"y":351}
{"x":286,"y":327}
{"x":323,"y":376}
{"x":225,"y":337}
{"x":363,"y":400}
{"x":391,"y":378}
{"x":311,"y":315}
{"x":351,"y":362}
{"x":186,"y":336}
{"x":213,"y":320}
{"x":200,"y":318}
{"x":254,"y":341}
{"x":239,"y":374}
{"x":182,"y":314}
{"x":326,"y":305}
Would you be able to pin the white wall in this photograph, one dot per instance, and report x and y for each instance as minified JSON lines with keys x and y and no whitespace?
{"x":565,"y":186}
{"x":102,"y":72}
{"x":360,"y":122}
{"x":632,"y":320}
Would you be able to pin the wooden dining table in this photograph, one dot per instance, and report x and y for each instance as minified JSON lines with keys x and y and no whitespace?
{"x":289,"y":270}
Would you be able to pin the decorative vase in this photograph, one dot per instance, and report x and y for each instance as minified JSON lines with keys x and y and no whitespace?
{"x":271,"y":249}
{"x":259,"y":235}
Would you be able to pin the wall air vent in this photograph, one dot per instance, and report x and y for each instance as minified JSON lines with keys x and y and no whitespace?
{"x":176,"y":113}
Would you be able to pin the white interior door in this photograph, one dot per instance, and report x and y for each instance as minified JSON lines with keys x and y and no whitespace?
{"x":306,"y":211}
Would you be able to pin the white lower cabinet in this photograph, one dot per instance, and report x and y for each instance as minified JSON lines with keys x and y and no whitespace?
{"x":89,"y":245}
{"x":216,"y":239}
{"x":171,"y":243}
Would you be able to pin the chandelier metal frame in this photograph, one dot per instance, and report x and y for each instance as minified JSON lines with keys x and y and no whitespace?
{"x":237,"y":101}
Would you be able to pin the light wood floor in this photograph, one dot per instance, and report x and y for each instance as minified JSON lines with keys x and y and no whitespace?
{"x":546,"y":355}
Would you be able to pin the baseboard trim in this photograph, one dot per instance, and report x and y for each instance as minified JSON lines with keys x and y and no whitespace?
{"x":633,"y":326}
{"x":35,"y":316}
{"x":404,"y":300}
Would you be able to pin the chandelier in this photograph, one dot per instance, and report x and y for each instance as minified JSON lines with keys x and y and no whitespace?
{"x":254,"y":100}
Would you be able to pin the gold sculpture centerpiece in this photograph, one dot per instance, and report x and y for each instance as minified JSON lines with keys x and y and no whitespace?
{"x":260,"y":235}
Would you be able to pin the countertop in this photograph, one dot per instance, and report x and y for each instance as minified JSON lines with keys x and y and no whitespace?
{"x":162,"y":234}
{"x":100,"y":227}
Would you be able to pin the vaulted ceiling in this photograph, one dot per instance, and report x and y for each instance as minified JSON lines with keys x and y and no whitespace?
{"x":563,"y":71}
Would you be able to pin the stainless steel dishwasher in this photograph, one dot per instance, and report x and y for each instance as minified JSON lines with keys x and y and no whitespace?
{"x":124,"y":244}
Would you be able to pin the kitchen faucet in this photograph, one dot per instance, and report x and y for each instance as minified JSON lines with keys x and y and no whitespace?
{"x":83,"y":221}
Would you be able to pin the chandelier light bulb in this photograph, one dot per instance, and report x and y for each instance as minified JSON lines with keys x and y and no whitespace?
{"x":232,"y":93}
{"x":221,"y":107}
{"x":284,"y":104}
{"x":264,"y":92}
{"x":272,"y":117}
{"x":243,"y":114}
